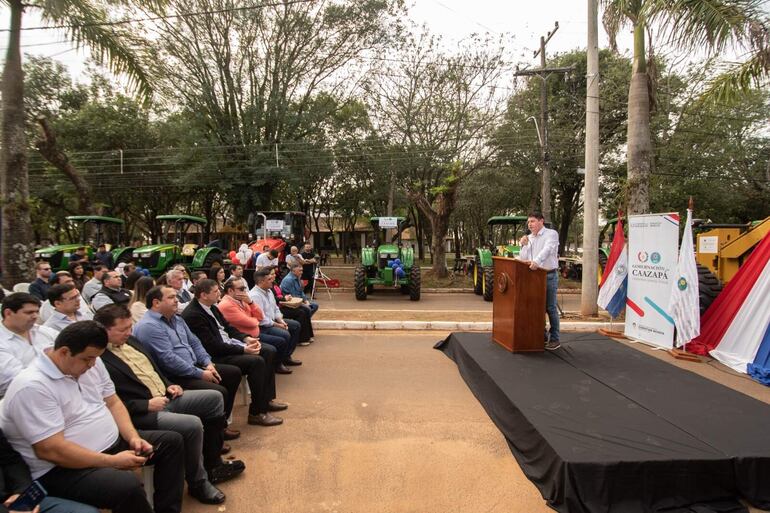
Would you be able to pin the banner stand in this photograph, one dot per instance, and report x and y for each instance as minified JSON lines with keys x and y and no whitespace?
{"x":679,"y":354}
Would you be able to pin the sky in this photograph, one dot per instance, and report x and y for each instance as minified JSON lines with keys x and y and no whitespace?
{"x":522,"y":22}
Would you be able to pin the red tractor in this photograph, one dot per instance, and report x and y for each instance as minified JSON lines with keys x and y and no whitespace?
{"x":276,"y":230}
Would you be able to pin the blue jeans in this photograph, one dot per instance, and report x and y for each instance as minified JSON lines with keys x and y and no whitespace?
{"x":551,"y":286}
{"x":313,"y":306}
{"x":57,"y":505}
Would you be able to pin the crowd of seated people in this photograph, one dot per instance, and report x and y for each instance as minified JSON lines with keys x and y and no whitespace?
{"x":101,"y":376}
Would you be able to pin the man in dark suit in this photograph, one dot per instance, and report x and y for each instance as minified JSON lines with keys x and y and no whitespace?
{"x":155,"y":403}
{"x":227,"y":345}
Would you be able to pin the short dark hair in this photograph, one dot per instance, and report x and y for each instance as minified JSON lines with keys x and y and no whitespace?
{"x":108,"y":315}
{"x":100,"y":267}
{"x":230,"y":283}
{"x":260,"y":275}
{"x":132,"y":278}
{"x":56,"y":292}
{"x":80,"y":335}
{"x":41,"y":263}
{"x":204,"y":287}
{"x":154,"y":293}
{"x":56,"y":277}
{"x":106,"y":276}
{"x":537,"y":215}
{"x":235,"y":266}
{"x":197,"y":275}
{"x":273,"y":253}
{"x":16,"y":301}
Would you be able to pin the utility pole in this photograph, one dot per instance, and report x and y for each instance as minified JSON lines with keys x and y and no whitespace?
{"x":589,"y":288}
{"x":544,"y":72}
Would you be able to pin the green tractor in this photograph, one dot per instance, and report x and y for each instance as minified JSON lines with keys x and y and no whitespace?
{"x":389,"y":264}
{"x":59,"y":256}
{"x":159,"y":258}
{"x":504,"y":233}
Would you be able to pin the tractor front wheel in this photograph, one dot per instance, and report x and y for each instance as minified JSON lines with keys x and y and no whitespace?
{"x":489,"y":283}
{"x":478,"y":276}
{"x":212,"y":260}
{"x":414,"y":283}
{"x":360,"y":282}
{"x":708,"y":287}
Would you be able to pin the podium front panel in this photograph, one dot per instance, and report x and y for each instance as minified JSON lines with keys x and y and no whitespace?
{"x":518,"y":308}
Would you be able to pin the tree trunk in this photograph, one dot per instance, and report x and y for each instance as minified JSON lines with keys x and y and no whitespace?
{"x":16,"y":251}
{"x":50,"y":150}
{"x":438,"y":213}
{"x":639,"y":141}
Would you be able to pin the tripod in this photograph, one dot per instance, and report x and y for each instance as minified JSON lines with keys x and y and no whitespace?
{"x":319,"y":274}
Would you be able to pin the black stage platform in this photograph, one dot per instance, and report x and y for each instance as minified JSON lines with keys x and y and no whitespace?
{"x":600,"y":427}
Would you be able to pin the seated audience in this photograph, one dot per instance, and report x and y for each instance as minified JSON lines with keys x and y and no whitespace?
{"x":301,"y":314}
{"x":244,"y":315}
{"x":179,"y":353}
{"x":111,"y":291}
{"x":218,"y":275}
{"x":175,"y":280}
{"x":272,"y":322}
{"x":154,"y":403}
{"x":15,"y":478}
{"x":197,"y":276}
{"x":93,"y":285}
{"x":137,"y":304}
{"x":236,"y":271}
{"x":227,"y":345}
{"x":186,"y":281}
{"x":78,"y":275}
{"x":62,"y":415}
{"x":21,"y":340}
{"x":267,"y":259}
{"x":132,"y":278}
{"x":65,"y":300}
{"x":291,"y":285}
{"x":46,"y":308}
{"x":39,"y":287}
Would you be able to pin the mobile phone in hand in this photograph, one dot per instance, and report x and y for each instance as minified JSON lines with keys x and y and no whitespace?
{"x":30,"y":498}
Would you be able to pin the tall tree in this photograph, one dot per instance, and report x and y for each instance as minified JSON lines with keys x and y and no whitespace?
{"x":84,"y":22}
{"x":439,"y":109}
{"x":690,"y":25}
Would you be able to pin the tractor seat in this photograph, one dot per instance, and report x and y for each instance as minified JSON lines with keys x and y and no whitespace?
{"x":189,"y":249}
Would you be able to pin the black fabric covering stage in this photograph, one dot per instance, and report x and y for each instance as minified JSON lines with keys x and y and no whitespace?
{"x":601,"y":427}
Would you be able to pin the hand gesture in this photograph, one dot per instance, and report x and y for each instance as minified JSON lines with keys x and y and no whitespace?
{"x":175,"y":391}
{"x":157,"y":404}
{"x":524,"y":241}
{"x":126,"y":460}
{"x":210,"y":376}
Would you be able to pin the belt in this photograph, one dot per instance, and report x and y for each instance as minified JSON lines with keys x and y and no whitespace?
{"x":552,"y":271}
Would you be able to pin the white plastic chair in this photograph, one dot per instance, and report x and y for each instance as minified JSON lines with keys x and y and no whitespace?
{"x":21,"y":287}
{"x":148,"y":480}
{"x":244,"y":391}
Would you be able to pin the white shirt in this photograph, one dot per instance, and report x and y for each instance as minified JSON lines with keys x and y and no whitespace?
{"x":46,"y":311}
{"x":266,"y":302}
{"x":264,"y":260}
{"x":543,"y":249}
{"x":58,"y":321}
{"x":42,"y":402}
{"x":16,"y":352}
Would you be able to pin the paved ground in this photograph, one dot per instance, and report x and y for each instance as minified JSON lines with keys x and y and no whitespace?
{"x":385,"y":304}
{"x":382,"y":423}
{"x":378,"y":423}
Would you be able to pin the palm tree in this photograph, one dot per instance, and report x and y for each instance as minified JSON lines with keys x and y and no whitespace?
{"x":689,"y":25}
{"x":85,"y":22}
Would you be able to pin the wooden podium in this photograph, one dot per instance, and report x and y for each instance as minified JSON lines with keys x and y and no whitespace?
{"x":518,"y":309}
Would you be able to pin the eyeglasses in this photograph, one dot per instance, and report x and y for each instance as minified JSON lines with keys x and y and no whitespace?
{"x":240,"y":288}
{"x":71,"y":298}
{"x":45,"y":268}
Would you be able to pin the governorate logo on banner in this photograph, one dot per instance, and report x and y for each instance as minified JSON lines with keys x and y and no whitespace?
{"x":654,"y":239}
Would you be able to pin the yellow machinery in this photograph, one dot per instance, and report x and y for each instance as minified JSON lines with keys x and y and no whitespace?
{"x":722,"y":248}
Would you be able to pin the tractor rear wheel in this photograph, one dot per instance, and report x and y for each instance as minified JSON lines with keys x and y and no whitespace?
{"x":478,"y":276}
{"x":414,"y":283}
{"x":212,"y":260}
{"x":360,"y":282}
{"x":489,"y":283}
{"x":708,"y":287}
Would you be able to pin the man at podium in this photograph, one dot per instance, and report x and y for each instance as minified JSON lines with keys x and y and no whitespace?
{"x":541,"y":249}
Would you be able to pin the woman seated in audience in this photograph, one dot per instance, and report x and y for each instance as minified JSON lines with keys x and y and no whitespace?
{"x":79,"y":277}
{"x":132,"y":278}
{"x":137,"y":304}
{"x":218,"y":275}
{"x":299,"y":314}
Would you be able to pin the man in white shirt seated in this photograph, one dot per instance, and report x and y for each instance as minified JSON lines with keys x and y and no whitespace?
{"x":46,"y":308}
{"x":66,"y":307}
{"x":541,"y":250}
{"x":21,"y":340}
{"x":267,"y":259}
{"x":175,"y":280}
{"x":62,"y":415}
{"x":93,"y":285}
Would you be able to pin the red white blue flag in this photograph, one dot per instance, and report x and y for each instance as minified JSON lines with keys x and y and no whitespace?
{"x":612,"y":288}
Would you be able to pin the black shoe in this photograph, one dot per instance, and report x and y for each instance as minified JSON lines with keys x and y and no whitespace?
{"x":264,"y":419}
{"x":236,"y":464}
{"x":206,"y":493}
{"x":230,"y":434}
{"x":276,"y":406}
{"x":282,"y":369}
{"x":291,"y":361}
{"x":552,"y":345}
{"x":225,"y":472}
{"x":225,"y":449}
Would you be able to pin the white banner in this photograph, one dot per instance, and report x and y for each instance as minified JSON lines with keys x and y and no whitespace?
{"x":653,"y":244}
{"x":274,"y":225}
